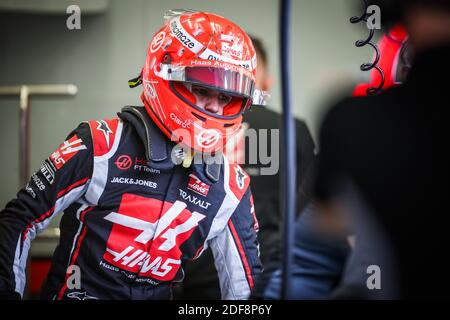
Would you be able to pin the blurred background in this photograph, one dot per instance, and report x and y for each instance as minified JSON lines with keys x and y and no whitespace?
{"x":36,"y":47}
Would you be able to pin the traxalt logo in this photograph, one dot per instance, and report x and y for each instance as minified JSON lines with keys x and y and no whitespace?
{"x":194,"y":200}
{"x":196,"y":185}
{"x":147,"y":235}
{"x":66,"y":151}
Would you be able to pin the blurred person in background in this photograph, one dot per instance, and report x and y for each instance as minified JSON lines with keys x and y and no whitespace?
{"x":151,"y":188}
{"x":315,"y":252}
{"x":320,"y":259}
{"x":383,"y":168}
{"x":322,"y":250}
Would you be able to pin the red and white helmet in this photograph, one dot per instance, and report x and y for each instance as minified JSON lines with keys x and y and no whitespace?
{"x":206,"y":50}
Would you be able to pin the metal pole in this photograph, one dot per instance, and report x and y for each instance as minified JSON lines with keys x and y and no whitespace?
{"x":25,"y":92}
{"x":24,"y":136}
{"x":289,"y":146}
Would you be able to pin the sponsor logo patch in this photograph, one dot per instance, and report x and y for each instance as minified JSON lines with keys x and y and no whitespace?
{"x":80,"y":296}
{"x":184,"y":124}
{"x":38,"y":182}
{"x":104,"y":128}
{"x":196,"y":185}
{"x":157,"y":41}
{"x":48,"y":171}
{"x":150,"y":89}
{"x":240,"y":177}
{"x":30,"y":191}
{"x":138,"y":182}
{"x":208,"y":138}
{"x":140,"y":164}
{"x":124,"y":162}
{"x":178,"y":32}
{"x":66,"y":151}
{"x":194,"y":200}
{"x":147,"y":234}
{"x":231,"y":46}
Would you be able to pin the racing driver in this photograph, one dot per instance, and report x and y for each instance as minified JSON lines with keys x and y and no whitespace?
{"x":135,"y":203}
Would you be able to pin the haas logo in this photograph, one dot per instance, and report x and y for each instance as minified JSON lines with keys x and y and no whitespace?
{"x":145,"y":241}
{"x":196,"y":185}
{"x":208,"y":138}
{"x":231,"y":46}
{"x":124,"y":162}
{"x":66,"y":151}
{"x":157,"y":41}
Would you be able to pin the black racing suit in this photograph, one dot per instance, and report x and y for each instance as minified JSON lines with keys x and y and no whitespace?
{"x":131,"y":215}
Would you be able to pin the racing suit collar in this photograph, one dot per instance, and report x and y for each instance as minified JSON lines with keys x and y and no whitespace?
{"x":157,"y":146}
{"x":154,"y":141}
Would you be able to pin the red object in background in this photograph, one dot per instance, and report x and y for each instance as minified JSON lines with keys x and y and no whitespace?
{"x":390,"y":47}
{"x":37,"y":272}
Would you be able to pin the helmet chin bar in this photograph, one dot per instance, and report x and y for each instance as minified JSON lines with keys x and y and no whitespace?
{"x":171,"y":135}
{"x":244,"y":105}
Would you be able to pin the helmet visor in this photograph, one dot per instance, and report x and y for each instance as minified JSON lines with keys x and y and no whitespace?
{"x":228,"y":81}
{"x":225,"y":106}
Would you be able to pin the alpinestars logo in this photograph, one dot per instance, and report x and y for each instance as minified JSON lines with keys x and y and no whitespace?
{"x":240,"y":177}
{"x":104,"y":128}
{"x":147,"y":235}
{"x":81,"y":296}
